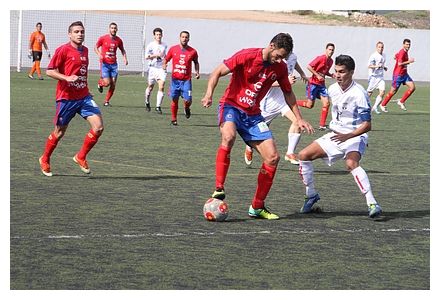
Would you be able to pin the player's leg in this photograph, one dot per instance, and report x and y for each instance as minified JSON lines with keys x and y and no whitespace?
{"x":310,"y":95}
{"x":113,"y":78}
{"x":149,"y":89}
{"x":361,"y":178}
{"x":228,"y":131}
{"x":161,"y":88}
{"x":34,"y":65}
{"x":395,"y":84}
{"x":175,"y":93}
{"x":104,"y":80}
{"x":324,"y":111}
{"x":89,"y":111}
{"x":187,"y":97}
{"x":294,"y":135}
{"x":410,"y":90}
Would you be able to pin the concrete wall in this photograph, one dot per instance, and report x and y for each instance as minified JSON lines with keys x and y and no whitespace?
{"x":216,"y":40}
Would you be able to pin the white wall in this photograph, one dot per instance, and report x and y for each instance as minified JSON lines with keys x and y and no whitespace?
{"x":216,"y":40}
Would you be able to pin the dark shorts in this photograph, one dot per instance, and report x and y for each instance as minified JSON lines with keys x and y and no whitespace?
{"x":36,"y":55}
{"x":181,"y":88}
{"x":400,"y":79}
{"x":314,"y":91}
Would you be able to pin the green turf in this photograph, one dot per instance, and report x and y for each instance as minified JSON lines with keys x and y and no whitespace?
{"x":136,"y":222}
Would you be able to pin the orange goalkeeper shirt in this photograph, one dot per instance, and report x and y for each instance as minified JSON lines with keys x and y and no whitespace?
{"x":36,"y":41}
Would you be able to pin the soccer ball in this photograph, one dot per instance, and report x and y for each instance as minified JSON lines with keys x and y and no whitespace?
{"x":215,"y":210}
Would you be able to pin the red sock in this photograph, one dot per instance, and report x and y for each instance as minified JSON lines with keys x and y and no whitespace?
{"x":302,"y":103}
{"x":174,"y":107}
{"x":387,"y":99}
{"x":222,"y":165}
{"x":406,"y":95}
{"x":51,"y":144}
{"x":264,"y":183}
{"x":109,"y":94}
{"x":89,"y":141}
{"x":324,"y":113}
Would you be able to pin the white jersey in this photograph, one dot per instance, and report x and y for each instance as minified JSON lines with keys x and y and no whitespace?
{"x":154,"y":48}
{"x":376,"y":59}
{"x":274,"y":103}
{"x":350,"y":108}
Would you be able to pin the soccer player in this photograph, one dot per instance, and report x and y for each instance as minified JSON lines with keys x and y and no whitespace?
{"x":36,"y":42}
{"x":348,"y":139}
{"x":69,"y":66}
{"x":274,"y":104}
{"x":254,"y":70}
{"x":319,"y":67}
{"x":154,"y":54}
{"x":106,"y":47}
{"x":376,"y":67}
{"x":400,"y":76}
{"x":182,"y":56}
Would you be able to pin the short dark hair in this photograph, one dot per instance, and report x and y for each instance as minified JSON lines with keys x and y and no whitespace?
{"x":112,"y":23}
{"x":77,"y":23}
{"x":184,"y":31}
{"x":39,"y":24}
{"x":330,"y":44}
{"x":407,"y":41}
{"x":157,"y":29}
{"x":283,"y":41}
{"x":345,"y":60}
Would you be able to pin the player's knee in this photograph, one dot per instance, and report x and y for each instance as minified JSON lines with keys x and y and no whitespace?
{"x":272,"y":159}
{"x":302,"y":155}
{"x":351,"y":165}
{"x":98,"y":130}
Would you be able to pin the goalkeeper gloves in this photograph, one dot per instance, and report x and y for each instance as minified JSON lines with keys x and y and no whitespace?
{"x":30,"y":54}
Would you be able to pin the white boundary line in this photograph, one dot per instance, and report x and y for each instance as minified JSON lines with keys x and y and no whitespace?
{"x":217,"y":233}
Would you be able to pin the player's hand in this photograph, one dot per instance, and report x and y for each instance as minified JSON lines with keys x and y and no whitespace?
{"x":48,"y":54}
{"x":72,"y":78}
{"x":29,"y":54}
{"x":305,"y":126}
{"x":385,"y":68}
{"x":206,"y":102}
{"x":340,"y":137}
{"x":411,"y":60}
{"x":305,"y":79}
{"x":292,"y":79}
{"x":197,"y":76}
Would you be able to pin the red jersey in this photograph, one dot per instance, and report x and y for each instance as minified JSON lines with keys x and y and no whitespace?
{"x":400,"y":57}
{"x":251,"y":79}
{"x":182,"y":61}
{"x":109,"y":44}
{"x":321,"y":64}
{"x":71,"y":61}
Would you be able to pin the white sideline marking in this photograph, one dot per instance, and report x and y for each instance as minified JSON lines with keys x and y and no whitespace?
{"x":179,"y":234}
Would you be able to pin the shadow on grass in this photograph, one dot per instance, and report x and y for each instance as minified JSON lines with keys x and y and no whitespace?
{"x":386,"y":215}
{"x":158,"y":177}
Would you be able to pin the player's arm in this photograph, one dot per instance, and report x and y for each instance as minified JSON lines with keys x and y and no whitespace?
{"x":47,"y":48}
{"x":31,"y":42}
{"x":197,"y":68}
{"x":365,"y":115}
{"x":123,"y":52}
{"x":303,"y":124}
{"x":55,"y":74}
{"x":301,"y":72}
{"x":218,"y":72}
{"x":312,"y":70}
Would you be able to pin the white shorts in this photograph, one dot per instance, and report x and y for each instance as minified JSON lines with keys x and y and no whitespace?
{"x":155,"y":74}
{"x":336,"y":151}
{"x":375,"y":83}
{"x":273,"y":105}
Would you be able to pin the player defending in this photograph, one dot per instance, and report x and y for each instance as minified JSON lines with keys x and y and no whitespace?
{"x":182,"y":56}
{"x":253,"y":71}
{"x":376,"y":67}
{"x":351,"y":120}
{"x":106,"y":47}
{"x":319,"y":67}
{"x":400,"y":76}
{"x":154,"y":54}
{"x":69,"y":66}
{"x":274,"y":104}
{"x":36,"y":42}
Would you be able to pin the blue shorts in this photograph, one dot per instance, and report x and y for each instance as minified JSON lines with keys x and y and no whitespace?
{"x":250,"y":128}
{"x":67,"y":109}
{"x":109,"y":70}
{"x":181,"y":88}
{"x":398,"y":80}
{"x":314,"y":91}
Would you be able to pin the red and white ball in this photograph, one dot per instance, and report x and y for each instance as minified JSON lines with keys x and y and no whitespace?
{"x":215,"y":210}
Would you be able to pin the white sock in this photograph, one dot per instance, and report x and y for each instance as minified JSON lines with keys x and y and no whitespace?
{"x":293,"y":141}
{"x":306,"y":173}
{"x":378,"y":101}
{"x":159,"y":99}
{"x":361,"y":179}
{"x":147,"y":95}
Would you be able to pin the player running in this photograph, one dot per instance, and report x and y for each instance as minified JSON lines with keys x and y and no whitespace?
{"x":69,"y":66}
{"x":376,"y":68}
{"x":154,"y":54}
{"x":274,"y":104}
{"x":351,"y":120}
{"x":253,"y":71}
{"x":36,"y":42}
{"x":400,"y":76}
{"x":182,"y":56}
{"x":106,"y":47}
{"x":315,"y":88}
